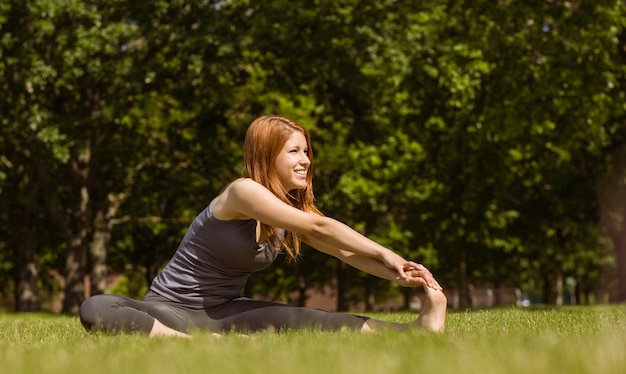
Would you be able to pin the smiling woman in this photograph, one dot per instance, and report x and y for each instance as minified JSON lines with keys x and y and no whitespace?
{"x":293,"y":162}
{"x":243,"y":230}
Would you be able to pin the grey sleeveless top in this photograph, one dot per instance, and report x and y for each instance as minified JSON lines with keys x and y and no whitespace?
{"x":213,"y":262}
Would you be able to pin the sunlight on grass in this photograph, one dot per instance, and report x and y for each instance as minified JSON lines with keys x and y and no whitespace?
{"x":571,"y":340}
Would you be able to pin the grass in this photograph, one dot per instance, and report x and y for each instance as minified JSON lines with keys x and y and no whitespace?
{"x":549,"y":340}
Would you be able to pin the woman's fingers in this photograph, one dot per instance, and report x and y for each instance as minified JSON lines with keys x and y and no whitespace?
{"x":424,"y":276}
{"x":416,"y":266}
{"x":410,"y":272}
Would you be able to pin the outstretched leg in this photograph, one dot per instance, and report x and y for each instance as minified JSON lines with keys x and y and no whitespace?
{"x":432,"y":316}
{"x":247,"y":315}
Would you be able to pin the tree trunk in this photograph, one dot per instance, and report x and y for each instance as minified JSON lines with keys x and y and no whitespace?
{"x":102,"y":226}
{"x":617,"y":236}
{"x":342,"y":286}
{"x":368,"y":293}
{"x":559,"y":289}
{"x":619,"y":242}
{"x":547,"y":288}
{"x":407,"y":296}
{"x":27,"y":293}
{"x":497,"y":299}
{"x":612,"y":202}
{"x":75,"y":261}
{"x":24,"y":187}
{"x":98,"y":253}
{"x":465,"y":297}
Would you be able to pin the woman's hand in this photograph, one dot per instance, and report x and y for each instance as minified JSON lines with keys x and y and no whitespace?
{"x":410,"y":274}
{"x":418,"y":275}
{"x":396,"y":263}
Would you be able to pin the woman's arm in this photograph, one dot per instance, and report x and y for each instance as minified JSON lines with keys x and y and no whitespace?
{"x":417,"y":274}
{"x":247,"y":199}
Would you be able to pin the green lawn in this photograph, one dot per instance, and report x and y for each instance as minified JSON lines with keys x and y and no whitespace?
{"x":563,"y":340}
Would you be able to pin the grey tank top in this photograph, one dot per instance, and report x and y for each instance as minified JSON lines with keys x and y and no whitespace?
{"x":213,"y":262}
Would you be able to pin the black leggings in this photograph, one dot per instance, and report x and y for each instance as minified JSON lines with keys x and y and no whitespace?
{"x":112,"y":313}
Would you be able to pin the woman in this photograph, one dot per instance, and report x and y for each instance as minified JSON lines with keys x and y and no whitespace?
{"x":240,"y":232}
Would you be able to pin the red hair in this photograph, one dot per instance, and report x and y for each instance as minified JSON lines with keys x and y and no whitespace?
{"x":265,"y":138}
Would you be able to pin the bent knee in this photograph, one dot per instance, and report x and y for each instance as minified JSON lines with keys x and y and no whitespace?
{"x":90,"y":311}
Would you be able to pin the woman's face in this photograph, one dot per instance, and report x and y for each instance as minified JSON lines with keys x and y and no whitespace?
{"x":292,"y":163}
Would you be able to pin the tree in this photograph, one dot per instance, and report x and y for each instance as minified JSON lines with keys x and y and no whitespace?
{"x":468,"y":136}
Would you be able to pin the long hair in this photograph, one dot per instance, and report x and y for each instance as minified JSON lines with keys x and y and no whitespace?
{"x":265,"y":138}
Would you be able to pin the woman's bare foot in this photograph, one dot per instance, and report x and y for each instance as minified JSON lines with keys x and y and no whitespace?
{"x":159,"y":329}
{"x":432,"y":316}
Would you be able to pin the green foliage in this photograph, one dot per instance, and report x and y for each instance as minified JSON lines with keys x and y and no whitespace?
{"x":469,"y":136}
{"x":132,"y":284}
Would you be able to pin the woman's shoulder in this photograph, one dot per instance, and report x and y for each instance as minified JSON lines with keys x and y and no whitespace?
{"x":228,"y":204}
{"x":241,"y":181}
{"x":244,"y":185}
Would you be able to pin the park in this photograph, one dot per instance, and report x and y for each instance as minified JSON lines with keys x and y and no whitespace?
{"x":485,"y":140}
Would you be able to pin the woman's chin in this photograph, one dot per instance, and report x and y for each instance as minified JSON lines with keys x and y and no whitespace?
{"x":297,"y":188}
